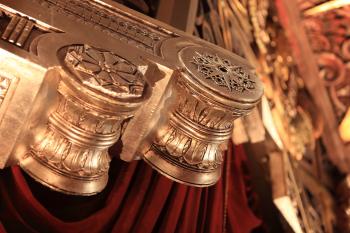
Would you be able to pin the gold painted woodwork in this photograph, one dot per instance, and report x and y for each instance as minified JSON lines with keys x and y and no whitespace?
{"x":105,"y":73}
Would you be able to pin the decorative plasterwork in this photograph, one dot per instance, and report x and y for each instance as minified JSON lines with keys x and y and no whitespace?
{"x":105,"y":71}
{"x":114,"y":22}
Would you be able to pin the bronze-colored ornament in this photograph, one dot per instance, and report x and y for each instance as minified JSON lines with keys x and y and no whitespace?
{"x":212,"y":91}
{"x":104,"y":73}
{"x":96,"y":98}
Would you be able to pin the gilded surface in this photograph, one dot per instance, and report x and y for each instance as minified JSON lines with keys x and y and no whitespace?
{"x":79,"y":132}
{"x":105,"y":71}
{"x":193,"y":135}
{"x":4,"y":86}
{"x":253,"y":28}
{"x":222,"y":72}
{"x":18,"y":30}
{"x":119,"y":25}
{"x":112,"y":72}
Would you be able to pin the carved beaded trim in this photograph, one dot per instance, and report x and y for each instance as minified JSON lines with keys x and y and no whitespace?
{"x":118,"y":25}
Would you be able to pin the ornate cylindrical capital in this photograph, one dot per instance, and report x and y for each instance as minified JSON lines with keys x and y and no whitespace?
{"x":98,"y":92}
{"x":100,"y":64}
{"x":210,"y":92}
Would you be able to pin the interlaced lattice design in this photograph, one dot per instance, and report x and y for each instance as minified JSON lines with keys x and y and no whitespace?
{"x":223,"y":73}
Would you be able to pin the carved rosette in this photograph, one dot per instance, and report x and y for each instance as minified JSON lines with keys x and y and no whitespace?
{"x":212,"y":91}
{"x":98,"y":93}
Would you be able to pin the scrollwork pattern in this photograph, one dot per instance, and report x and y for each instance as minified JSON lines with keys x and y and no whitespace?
{"x":329,"y":38}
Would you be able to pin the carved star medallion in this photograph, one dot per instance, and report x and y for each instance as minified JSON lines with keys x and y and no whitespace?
{"x":222,"y":72}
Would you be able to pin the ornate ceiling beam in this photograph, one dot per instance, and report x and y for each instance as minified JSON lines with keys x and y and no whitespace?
{"x":108,"y":74}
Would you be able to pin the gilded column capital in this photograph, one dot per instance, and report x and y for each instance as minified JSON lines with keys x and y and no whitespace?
{"x":208,"y":94}
{"x":98,"y":93}
{"x":104,"y":73}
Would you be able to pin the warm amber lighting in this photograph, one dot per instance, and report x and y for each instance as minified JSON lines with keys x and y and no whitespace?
{"x":285,"y":205}
{"x":270,"y":124}
{"x":327,"y":6}
{"x":344,"y":128}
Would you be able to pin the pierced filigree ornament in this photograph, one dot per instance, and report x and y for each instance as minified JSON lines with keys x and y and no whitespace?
{"x":223,"y":73}
{"x":207,"y":97}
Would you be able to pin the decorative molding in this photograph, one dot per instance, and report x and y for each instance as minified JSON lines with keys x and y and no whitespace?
{"x":18,"y":30}
{"x":84,"y":118}
{"x":73,"y":149}
{"x":118,"y":24}
{"x":4,"y":87}
{"x":77,"y":139}
{"x":189,"y":144}
{"x":195,"y":133}
{"x":99,"y":91}
{"x":203,"y":114}
{"x":105,"y":71}
{"x":64,"y":156}
{"x":185,"y":151}
{"x":223,"y":73}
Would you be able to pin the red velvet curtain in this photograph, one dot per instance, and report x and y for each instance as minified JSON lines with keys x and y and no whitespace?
{"x":137,"y":199}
